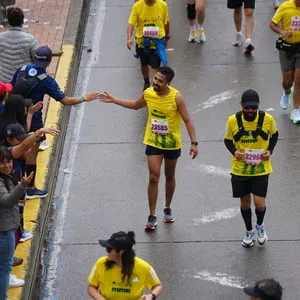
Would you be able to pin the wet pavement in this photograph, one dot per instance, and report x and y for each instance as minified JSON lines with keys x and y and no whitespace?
{"x":102,"y":182}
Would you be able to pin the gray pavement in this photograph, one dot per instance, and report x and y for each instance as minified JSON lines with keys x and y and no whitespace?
{"x":101,"y":187}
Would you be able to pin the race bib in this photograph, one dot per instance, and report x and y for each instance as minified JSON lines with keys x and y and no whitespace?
{"x":151,"y":31}
{"x":160,"y":127}
{"x":295,"y":23}
{"x":253,"y":156}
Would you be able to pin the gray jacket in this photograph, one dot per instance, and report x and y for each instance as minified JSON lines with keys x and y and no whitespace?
{"x":17,"y":49}
{"x":9,"y":209}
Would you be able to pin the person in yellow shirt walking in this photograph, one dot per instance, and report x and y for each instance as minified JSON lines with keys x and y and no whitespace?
{"x":121,"y":275}
{"x":251,"y":136}
{"x":286,"y":22}
{"x":150,"y":18}
{"x":166,"y":109}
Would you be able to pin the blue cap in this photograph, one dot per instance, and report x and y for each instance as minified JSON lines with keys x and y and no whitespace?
{"x":42,"y":56}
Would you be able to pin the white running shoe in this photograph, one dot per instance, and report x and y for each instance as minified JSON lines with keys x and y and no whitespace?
{"x":261,"y":234}
{"x":26,"y":235}
{"x":295,"y":116}
{"x":248,"y":239}
{"x":43,"y":146}
{"x":238,"y":40}
{"x":192,"y":36}
{"x":201,"y":38}
{"x":284,"y":101}
{"x":15,"y":282}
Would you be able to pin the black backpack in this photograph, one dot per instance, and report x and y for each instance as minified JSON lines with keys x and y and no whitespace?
{"x":25,"y":83}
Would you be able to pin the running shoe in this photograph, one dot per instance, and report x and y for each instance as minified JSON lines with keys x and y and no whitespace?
{"x":201,"y":38}
{"x":168,"y":218}
{"x":284,"y":101}
{"x":238,"y":40}
{"x":249,"y":48}
{"x":295,"y":116}
{"x":35,"y":193}
{"x":152,"y":223}
{"x":17,"y":261}
{"x":26,"y":235}
{"x":44,"y":146}
{"x":192,"y":36}
{"x":261,"y":234}
{"x":248,"y":239}
{"x":15,"y":282}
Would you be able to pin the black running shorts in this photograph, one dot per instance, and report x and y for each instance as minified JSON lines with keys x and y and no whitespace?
{"x":239,"y":3}
{"x":150,"y":58}
{"x":244,"y":185}
{"x":168,"y":154}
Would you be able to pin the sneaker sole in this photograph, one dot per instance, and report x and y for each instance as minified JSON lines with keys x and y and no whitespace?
{"x":297,"y":122}
{"x":266,"y":239}
{"x":247,"y":245}
{"x":25,"y":239}
{"x":169,"y":221}
{"x":150,"y":228}
{"x":35,"y":197}
{"x":237,"y":44}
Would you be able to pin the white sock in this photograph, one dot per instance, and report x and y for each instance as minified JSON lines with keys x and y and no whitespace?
{"x":239,"y":32}
{"x":199,"y":26}
{"x":193,"y":28}
{"x":248,"y":42}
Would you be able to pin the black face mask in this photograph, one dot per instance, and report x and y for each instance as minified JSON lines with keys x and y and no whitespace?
{"x":249,"y":116}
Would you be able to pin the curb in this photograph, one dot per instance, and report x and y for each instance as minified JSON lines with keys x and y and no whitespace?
{"x":58,"y":115}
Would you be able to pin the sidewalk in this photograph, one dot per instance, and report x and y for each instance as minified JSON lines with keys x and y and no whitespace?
{"x":47,"y":21}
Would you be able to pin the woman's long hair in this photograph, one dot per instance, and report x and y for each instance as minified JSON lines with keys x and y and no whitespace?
{"x":15,"y":110}
{"x":127,"y":256}
{"x":6,"y":155}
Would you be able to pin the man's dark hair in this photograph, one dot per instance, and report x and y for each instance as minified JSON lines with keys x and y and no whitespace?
{"x":271,"y":288}
{"x":168,"y":72}
{"x":15,"y":16}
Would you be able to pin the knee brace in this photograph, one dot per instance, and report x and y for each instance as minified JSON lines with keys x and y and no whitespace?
{"x":191,"y":11}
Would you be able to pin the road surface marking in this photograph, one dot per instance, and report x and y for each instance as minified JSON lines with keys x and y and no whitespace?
{"x":208,"y":169}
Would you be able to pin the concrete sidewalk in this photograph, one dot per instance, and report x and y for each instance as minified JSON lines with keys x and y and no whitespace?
{"x":58,"y":24}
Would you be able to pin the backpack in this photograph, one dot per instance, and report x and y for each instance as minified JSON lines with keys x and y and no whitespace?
{"x":25,"y":83}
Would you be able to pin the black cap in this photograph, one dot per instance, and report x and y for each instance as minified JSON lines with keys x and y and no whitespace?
{"x":119,"y":241}
{"x":15,"y":101}
{"x":16,"y":131}
{"x":250,"y":98}
{"x":42,"y":56}
{"x":266,"y":289}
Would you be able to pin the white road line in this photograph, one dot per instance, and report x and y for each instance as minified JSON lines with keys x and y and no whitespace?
{"x":208,"y":169}
{"x":53,"y":263}
{"x":214,"y":100}
{"x":217,"y":216}
{"x":221,"y":278}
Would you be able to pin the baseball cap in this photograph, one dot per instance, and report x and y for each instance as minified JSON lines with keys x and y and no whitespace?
{"x":15,"y":102}
{"x":42,"y":56}
{"x":250,"y":98}
{"x":261,"y":287}
{"x":119,"y":240}
{"x":5,"y":87}
{"x":16,"y":131}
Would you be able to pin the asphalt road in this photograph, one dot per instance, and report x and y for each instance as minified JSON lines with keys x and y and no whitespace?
{"x":103,"y":177}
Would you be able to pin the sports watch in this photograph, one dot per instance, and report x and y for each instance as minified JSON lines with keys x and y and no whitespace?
{"x":194,"y":143}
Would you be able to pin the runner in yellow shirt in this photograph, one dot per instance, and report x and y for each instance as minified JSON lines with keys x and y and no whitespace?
{"x":166,"y":109}
{"x":251,"y":136}
{"x":150,"y":18}
{"x":286,"y":22}
{"x":121,"y":275}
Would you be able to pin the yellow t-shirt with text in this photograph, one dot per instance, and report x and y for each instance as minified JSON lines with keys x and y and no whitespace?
{"x":288,"y":15}
{"x":111,"y":286}
{"x":143,"y":15}
{"x":249,"y":142}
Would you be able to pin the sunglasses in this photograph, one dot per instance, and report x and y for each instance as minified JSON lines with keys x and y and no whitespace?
{"x":252,"y":107}
{"x":109,"y":250}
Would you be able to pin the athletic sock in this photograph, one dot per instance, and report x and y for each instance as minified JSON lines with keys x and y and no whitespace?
{"x":199,"y":26}
{"x":248,"y":42}
{"x":247,"y":216}
{"x":239,"y":32}
{"x":260,"y":216}
{"x":192,"y":28}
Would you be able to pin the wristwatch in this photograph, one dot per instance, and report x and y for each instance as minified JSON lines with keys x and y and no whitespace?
{"x":81,"y":99}
{"x":153,"y":296}
{"x":194,"y":143}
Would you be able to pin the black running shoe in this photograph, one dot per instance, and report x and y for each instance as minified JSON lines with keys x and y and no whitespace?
{"x":249,"y":49}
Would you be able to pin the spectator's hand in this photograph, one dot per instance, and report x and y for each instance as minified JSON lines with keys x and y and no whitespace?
{"x":147,"y":297}
{"x":193,"y":151}
{"x":286,"y":33}
{"x":129,"y":44}
{"x":239,"y":154}
{"x":90,"y":96}
{"x":266,"y":155}
{"x":32,"y":109}
{"x":50,"y":130}
{"x":106,"y":97}
{"x":26,"y":180}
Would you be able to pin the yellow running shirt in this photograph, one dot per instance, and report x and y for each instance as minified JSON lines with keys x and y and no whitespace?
{"x":288,"y":14}
{"x":149,"y":20}
{"x":249,"y":143}
{"x":164,"y":120}
{"x":110,"y":282}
